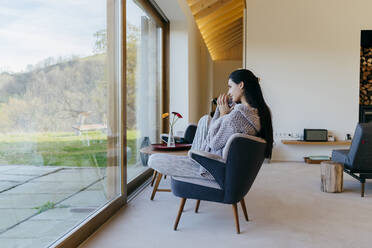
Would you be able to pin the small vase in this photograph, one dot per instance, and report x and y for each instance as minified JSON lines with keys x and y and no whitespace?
{"x":171,"y":142}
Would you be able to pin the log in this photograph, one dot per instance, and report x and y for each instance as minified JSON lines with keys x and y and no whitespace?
{"x":331,"y":177}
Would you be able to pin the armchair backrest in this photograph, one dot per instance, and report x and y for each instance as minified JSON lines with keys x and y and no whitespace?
{"x":190,"y":133}
{"x":245,"y":155}
{"x":360,"y":153}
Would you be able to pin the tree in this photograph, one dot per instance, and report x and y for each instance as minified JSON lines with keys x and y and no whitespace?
{"x":51,"y":95}
{"x":100,"y":45}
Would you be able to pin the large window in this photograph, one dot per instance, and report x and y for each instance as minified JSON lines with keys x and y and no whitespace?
{"x":144,"y":85}
{"x":59,"y":115}
{"x":64,"y":103}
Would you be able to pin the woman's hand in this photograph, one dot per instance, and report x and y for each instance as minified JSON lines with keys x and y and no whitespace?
{"x":222,"y":104}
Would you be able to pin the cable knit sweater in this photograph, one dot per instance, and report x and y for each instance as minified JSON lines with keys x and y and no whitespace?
{"x":241,"y":119}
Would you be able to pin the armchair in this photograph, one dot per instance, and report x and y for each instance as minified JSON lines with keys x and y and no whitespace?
{"x":358,"y":159}
{"x":234,"y":174}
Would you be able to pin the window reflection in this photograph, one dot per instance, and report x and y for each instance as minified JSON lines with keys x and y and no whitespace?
{"x":143,"y":85}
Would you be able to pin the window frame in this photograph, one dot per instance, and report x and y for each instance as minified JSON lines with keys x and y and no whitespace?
{"x":154,"y":11}
{"x":82,"y":231}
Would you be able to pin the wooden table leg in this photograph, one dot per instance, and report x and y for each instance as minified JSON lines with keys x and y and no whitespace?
{"x":159,"y":176}
{"x":153,"y":178}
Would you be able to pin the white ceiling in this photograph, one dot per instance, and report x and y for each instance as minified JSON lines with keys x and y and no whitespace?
{"x":171,"y":9}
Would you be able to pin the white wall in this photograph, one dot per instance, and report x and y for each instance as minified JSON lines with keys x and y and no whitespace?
{"x":178,"y":73}
{"x":221,"y":72}
{"x":199,"y":83}
{"x":190,"y":63}
{"x":307,"y":56}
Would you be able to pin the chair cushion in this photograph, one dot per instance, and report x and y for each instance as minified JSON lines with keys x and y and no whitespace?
{"x":199,"y":189}
{"x":173,"y":165}
{"x":340,"y":156}
{"x":198,"y":181}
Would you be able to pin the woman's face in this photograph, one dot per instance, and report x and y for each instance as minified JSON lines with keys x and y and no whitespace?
{"x":235,"y":90}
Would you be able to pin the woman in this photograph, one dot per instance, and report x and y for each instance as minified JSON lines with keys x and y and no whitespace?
{"x":250,"y":114}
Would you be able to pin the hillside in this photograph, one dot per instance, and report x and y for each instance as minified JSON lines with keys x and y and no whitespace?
{"x":51,"y":98}
{"x":15,"y":84}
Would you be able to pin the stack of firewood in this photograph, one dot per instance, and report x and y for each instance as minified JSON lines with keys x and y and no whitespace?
{"x":365,"y":97}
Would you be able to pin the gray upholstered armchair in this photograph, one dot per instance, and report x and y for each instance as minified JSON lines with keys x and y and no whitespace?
{"x":234,"y":174}
{"x":358,"y":160}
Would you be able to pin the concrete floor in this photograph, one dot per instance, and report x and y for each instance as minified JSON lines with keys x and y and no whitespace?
{"x":285,"y":206}
{"x":27,"y":188}
{"x":68,"y":195}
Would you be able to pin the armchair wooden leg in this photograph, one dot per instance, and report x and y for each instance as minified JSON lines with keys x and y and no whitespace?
{"x":183,"y":201}
{"x":156,"y":185}
{"x":244,"y":209}
{"x":197,"y":206}
{"x":362,"y":190}
{"x":235,"y":209}
{"x":153,"y":178}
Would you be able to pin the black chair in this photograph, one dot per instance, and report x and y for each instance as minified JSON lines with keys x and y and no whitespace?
{"x":234,"y":174}
{"x":188,"y":136}
{"x":358,"y":160}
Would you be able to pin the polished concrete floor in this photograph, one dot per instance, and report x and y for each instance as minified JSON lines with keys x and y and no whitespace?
{"x":285,"y":206}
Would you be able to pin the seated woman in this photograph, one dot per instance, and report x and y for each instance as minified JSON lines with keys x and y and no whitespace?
{"x":249,"y":114}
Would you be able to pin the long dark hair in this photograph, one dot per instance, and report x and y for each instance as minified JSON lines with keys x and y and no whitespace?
{"x":254,"y":97}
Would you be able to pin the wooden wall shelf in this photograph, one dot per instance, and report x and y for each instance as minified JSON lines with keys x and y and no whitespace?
{"x":324,"y":143}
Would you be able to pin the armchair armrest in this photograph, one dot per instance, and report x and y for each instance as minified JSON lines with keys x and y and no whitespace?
{"x":214,"y":164}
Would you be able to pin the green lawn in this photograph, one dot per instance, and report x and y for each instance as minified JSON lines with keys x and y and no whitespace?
{"x":59,"y":148}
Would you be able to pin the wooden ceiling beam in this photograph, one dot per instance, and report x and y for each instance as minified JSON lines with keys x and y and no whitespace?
{"x":235,"y":52}
{"x":217,"y":41}
{"x":222,"y":36}
{"x":222,"y":19}
{"x":201,"y":5}
{"x":226,"y":47}
{"x":226,"y":43}
{"x":230,"y":33}
{"x":220,"y":26}
{"x":208,"y":9}
{"x":210,"y":35}
{"x":219,"y":12}
{"x":233,"y":45}
{"x":210,"y":50}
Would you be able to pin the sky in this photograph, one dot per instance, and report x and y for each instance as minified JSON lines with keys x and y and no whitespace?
{"x":33,"y":30}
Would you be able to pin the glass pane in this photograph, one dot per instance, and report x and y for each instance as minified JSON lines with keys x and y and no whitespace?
{"x":59,"y":116}
{"x":144,"y":79}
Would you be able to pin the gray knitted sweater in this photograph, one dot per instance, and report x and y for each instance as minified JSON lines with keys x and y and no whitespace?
{"x":240,"y":120}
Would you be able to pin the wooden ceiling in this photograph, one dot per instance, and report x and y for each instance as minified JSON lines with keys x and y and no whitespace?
{"x":221,"y":25}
